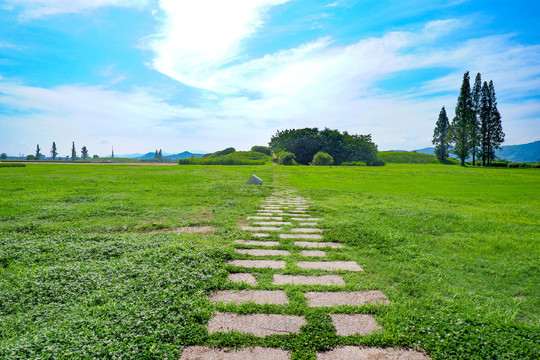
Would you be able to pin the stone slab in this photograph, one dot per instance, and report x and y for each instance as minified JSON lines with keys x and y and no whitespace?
{"x":270,"y":210}
{"x":312,"y":244}
{"x":313,"y":253}
{"x":265,"y":214}
{"x":260,"y":297}
{"x":260,"y":235}
{"x":330,"y":265}
{"x":356,"y":324}
{"x":258,"y":264}
{"x":243,"y":278}
{"x":354,"y":298}
{"x":261,"y":228}
{"x":308,"y":280}
{"x":252,"y":353}
{"x":256,"y":324}
{"x":264,"y":218}
{"x":262,"y":252}
{"x":271,"y":223}
{"x":306,"y":230}
{"x":256,"y":243}
{"x":308,"y":224}
{"x":300,"y":236}
{"x":303,"y":219}
{"x":296,"y":215}
{"x":358,"y":353}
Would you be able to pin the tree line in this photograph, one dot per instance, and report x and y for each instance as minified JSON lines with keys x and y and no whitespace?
{"x":301,"y":145}
{"x":476,"y":129}
{"x":54,"y":153}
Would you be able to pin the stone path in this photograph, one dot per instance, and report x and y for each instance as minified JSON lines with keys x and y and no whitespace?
{"x":286,"y":216}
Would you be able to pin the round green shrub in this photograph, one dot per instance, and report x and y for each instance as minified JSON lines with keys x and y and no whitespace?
{"x":287,"y":158}
{"x":262,"y":149}
{"x":322,"y":159}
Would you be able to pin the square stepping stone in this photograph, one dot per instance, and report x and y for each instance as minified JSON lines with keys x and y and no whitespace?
{"x":260,"y":235}
{"x":243,"y":278}
{"x":251,"y":353}
{"x":314,"y":253}
{"x":262,"y":252}
{"x":260,"y":297}
{"x":306,"y":230}
{"x":261,"y":228}
{"x":354,"y":352}
{"x":296,"y":215}
{"x":308,"y":280}
{"x":271,"y":210}
{"x":355,"y":298}
{"x":272,"y":223}
{"x":300,"y":236}
{"x":312,"y":244}
{"x":256,"y":243}
{"x":258,"y":264}
{"x":357,"y":324}
{"x":256,"y":324}
{"x":330,"y":265}
{"x":303,"y":219}
{"x":308,"y":224}
{"x":264,"y":218}
{"x":265,"y":214}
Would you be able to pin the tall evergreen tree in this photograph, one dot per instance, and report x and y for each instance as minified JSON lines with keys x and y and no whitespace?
{"x":460,"y":128}
{"x":53,"y":151}
{"x":73,"y":152}
{"x":38,"y":153}
{"x":440,"y":135}
{"x":496,"y":135}
{"x":160,"y":156}
{"x":84,"y":153}
{"x":485,"y":115}
{"x":475,"y":120}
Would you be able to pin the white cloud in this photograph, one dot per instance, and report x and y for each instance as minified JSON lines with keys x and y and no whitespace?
{"x":33,"y":9}
{"x":199,"y":37}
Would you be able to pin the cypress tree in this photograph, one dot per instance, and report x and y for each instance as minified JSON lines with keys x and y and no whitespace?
{"x":160,"y":156}
{"x":73,"y":152}
{"x":440,"y":136}
{"x":485,"y":115}
{"x":38,"y":153}
{"x":460,"y":128}
{"x":53,"y":151}
{"x":475,"y":120}
{"x":496,"y":135}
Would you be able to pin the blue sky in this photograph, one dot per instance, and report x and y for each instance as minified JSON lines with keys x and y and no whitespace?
{"x":208,"y":74}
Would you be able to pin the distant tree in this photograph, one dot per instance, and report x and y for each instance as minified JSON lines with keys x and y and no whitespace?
{"x":30,"y":157}
{"x":155,"y":155}
{"x":112,"y":152}
{"x":95,"y":157}
{"x":440,"y":136}
{"x":3,"y":156}
{"x":460,"y":128}
{"x":262,"y":149}
{"x":321,"y":158}
{"x":492,"y":135}
{"x":474,"y":126}
{"x":84,"y":153}
{"x":38,"y":152}
{"x":160,"y":155}
{"x":53,"y":151}
{"x":223,"y":152}
{"x":73,"y":152}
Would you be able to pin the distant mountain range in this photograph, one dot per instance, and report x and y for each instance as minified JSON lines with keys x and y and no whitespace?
{"x":150,"y":155}
{"x":518,"y":153}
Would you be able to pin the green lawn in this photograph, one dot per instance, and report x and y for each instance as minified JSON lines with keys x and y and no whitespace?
{"x":82,"y":275}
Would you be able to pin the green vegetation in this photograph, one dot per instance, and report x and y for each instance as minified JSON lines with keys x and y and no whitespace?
{"x":286,"y":158}
{"x":234,"y":158}
{"x":87,"y":269}
{"x":262,"y":149}
{"x":305,"y":143}
{"x":322,"y":159}
{"x":12,"y":165}
{"x":353,"y":163}
{"x":406,"y":157}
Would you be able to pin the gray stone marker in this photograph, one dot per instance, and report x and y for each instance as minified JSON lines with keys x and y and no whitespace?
{"x":254,"y":180}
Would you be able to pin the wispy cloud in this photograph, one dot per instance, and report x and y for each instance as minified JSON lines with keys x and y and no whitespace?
{"x":33,"y":9}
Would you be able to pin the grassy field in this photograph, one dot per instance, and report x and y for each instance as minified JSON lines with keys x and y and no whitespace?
{"x":86,"y":272}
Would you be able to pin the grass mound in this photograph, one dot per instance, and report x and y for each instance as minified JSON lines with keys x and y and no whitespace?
{"x":235,"y":158}
{"x":406,"y":157}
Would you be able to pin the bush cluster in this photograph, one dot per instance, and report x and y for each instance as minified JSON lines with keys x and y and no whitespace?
{"x":262,"y":149}
{"x":322,"y":159}
{"x":12,"y":165}
{"x":522,"y":165}
{"x":353,"y":163}
{"x":223,"y":160}
{"x":286,"y":158}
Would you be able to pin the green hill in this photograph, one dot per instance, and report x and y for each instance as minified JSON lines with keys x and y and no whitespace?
{"x":406,"y":157}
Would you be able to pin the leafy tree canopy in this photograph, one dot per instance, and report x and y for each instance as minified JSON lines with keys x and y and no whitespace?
{"x":305,"y":143}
